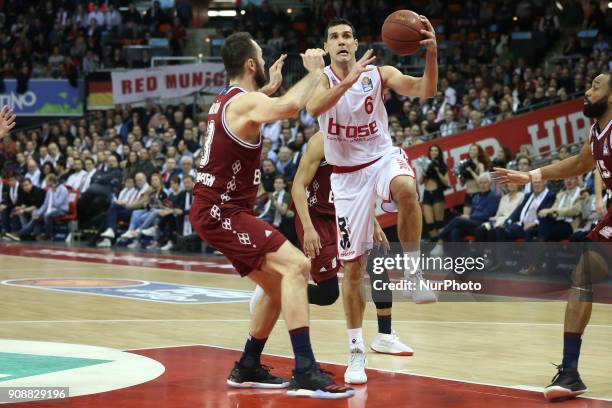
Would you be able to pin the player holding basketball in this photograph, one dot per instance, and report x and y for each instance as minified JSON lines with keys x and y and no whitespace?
{"x":227,"y":181}
{"x":316,"y":229}
{"x":351,"y":113}
{"x":591,"y":268}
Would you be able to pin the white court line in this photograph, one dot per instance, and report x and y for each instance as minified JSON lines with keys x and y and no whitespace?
{"x":405,"y":372}
{"x":312,"y":320}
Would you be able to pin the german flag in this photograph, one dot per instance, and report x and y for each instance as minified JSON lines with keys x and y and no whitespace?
{"x":99,"y":91}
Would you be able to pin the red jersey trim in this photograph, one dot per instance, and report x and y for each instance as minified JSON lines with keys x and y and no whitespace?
{"x":230,"y":133}
{"x":382,"y":84}
{"x":350,"y":169}
{"x":334,"y":73}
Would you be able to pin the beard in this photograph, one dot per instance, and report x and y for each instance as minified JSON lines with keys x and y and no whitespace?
{"x":595,"y":109}
{"x":261,"y":79}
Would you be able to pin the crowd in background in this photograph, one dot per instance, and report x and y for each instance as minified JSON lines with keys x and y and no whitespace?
{"x":68,"y":39}
{"x":133,"y":169}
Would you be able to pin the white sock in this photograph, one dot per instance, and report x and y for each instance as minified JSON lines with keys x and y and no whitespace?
{"x":412,"y":257}
{"x":355,"y":337}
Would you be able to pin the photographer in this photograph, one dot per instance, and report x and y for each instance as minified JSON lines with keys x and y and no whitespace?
{"x":469,"y":170}
{"x":435,"y":181}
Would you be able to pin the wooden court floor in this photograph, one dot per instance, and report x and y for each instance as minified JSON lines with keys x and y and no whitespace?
{"x":507,"y":344}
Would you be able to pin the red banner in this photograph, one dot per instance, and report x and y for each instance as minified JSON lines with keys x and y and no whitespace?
{"x":544,"y":129}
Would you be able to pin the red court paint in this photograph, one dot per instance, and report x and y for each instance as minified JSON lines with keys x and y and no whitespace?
{"x":195,"y":377}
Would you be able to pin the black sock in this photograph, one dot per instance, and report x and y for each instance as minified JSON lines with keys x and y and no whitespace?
{"x":300,"y":341}
{"x":384,"y":324}
{"x":571,"y":350}
{"x":252,"y":352}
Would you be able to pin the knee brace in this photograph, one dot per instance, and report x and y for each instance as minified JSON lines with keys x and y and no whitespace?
{"x":380,"y":296}
{"x":324,"y":293}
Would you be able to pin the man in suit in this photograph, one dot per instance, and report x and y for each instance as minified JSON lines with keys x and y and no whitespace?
{"x":559,"y":221}
{"x":523,"y":223}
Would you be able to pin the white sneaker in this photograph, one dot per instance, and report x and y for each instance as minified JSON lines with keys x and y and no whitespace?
{"x":109,"y":233}
{"x":421,"y":293}
{"x":168,"y":246}
{"x":437,"y":251}
{"x":150,"y":232}
{"x":105,"y":243}
{"x":390,"y":344}
{"x":257,"y":294}
{"x":153,"y":246}
{"x":129,"y":234}
{"x":355,"y":372}
{"x":134,"y":245}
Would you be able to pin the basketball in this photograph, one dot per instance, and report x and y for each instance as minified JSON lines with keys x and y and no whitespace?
{"x":401,"y":32}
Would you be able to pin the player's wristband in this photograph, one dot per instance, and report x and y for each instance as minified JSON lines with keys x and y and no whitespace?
{"x":535,"y":175}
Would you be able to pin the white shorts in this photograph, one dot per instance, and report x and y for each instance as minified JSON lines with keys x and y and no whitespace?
{"x":355,"y":196}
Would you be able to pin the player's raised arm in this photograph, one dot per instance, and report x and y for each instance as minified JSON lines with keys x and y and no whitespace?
{"x":573,"y":166}
{"x":325,"y":97}
{"x":309,"y":163}
{"x":7,"y":121}
{"x":256,"y":107}
{"x":425,"y":86}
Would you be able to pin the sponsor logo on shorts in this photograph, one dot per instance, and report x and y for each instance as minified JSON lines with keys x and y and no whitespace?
{"x":606,"y":232}
{"x":345,"y":232}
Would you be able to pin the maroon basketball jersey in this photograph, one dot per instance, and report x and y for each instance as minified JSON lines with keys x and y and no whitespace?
{"x":228,"y":173}
{"x":601,"y":149}
{"x":319,"y":193}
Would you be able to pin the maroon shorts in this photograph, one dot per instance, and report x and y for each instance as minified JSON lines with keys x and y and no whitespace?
{"x":602,"y":231}
{"x":326,"y":265}
{"x":243,"y":238}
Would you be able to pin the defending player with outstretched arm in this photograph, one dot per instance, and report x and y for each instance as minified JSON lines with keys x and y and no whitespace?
{"x":227,"y":180}
{"x":592,"y":267}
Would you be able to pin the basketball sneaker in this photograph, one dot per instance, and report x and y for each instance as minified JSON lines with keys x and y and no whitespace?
{"x":316,"y":383}
{"x":257,"y":377}
{"x":421,"y":294}
{"x":566,"y":384}
{"x":390,"y":344}
{"x":355,"y":371}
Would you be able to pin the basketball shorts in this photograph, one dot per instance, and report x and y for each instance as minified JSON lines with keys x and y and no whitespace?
{"x":326,"y":265}
{"x":355,"y":194}
{"x":602,"y":231}
{"x":243,"y":238}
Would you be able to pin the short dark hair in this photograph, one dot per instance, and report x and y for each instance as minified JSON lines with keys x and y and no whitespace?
{"x":237,"y":48}
{"x":176,"y":179}
{"x":337,"y":22}
{"x":609,"y":74}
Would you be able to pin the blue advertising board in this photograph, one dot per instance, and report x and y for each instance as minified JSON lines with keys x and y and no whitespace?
{"x":44,"y":97}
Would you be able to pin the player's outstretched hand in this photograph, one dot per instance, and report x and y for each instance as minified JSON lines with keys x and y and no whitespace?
{"x":380,"y":239}
{"x":276,"y":76}
{"x":505,"y":176}
{"x":313,"y":59}
{"x":312,"y":243}
{"x":429,"y":33}
{"x":360,"y":67}
{"x":7,"y":120}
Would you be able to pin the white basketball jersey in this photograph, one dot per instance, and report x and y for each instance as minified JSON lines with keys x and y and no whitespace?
{"x":356,"y":129}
